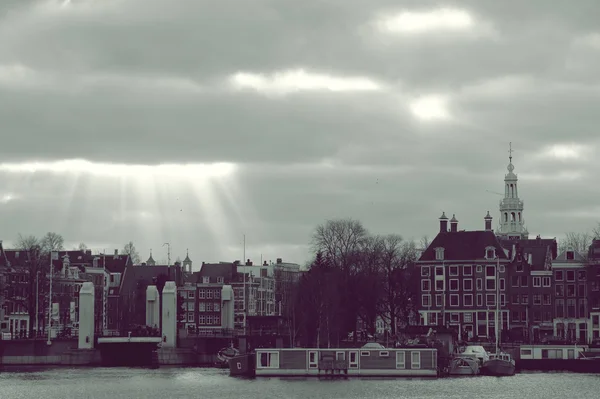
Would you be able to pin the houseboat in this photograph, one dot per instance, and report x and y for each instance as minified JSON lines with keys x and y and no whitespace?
{"x":556,"y":358}
{"x":363,"y":362}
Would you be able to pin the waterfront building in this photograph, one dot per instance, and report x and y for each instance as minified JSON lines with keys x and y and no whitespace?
{"x":570,"y":296}
{"x":593,"y":286}
{"x":459,"y":273}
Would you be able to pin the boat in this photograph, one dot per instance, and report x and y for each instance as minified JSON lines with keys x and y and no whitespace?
{"x":463,"y":365}
{"x":500,"y":363}
{"x":243,"y":365}
{"x":545,"y":357}
{"x":407,"y":361}
{"x":224,"y":355}
{"x":477,"y":352}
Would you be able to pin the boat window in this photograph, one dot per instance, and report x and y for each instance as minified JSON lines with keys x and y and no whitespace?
{"x":365,"y":353}
{"x":269,"y":360}
{"x":525,"y":352}
{"x":415,"y":358}
{"x":340,"y":355}
{"x":384,"y":353}
{"x":400,"y":360}
{"x":353,"y":364}
{"x":313,"y":362}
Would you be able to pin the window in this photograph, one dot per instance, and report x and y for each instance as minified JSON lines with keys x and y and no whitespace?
{"x":217,"y":307}
{"x":440,"y":285}
{"x":209,"y":294}
{"x":453,"y":271}
{"x":269,"y":360}
{"x":479,"y":284}
{"x":515,"y":299}
{"x":571,"y":308}
{"x":353,"y":361}
{"x":570,"y":290}
{"x":547,"y":299}
{"x":537,"y":299}
{"x":426,"y":285}
{"x":201,"y":293}
{"x":583,"y":308}
{"x":191,"y":294}
{"x":201,"y":320}
{"x":454,"y":318}
{"x":570,"y":255}
{"x":439,"y":270}
{"x":439,"y":253}
{"x":468,"y":284}
{"x":479,"y":299}
{"x":205,"y":280}
{"x":502,"y":284}
{"x":490,"y":300}
{"x":490,"y":271}
{"x":365,"y":353}
{"x":479,"y":269}
{"x":190,"y":317}
{"x":382,"y":353}
{"x":453,"y":284}
{"x":424,"y":271}
{"x":537,"y":281}
{"x":439,"y":300}
{"x":515,"y":316}
{"x":581,"y":275}
{"x":432,"y":318}
{"x":524,"y":281}
{"x":468,"y":299}
{"x":415,"y":360}
{"x":454,"y":300}
{"x":201,"y":306}
{"x":525,"y":299}
{"x":501,"y":269}
{"x":560,"y":290}
{"x":490,"y":253}
{"x":581,"y":290}
{"x":313,"y":359}
{"x":467,"y":270}
{"x":559,"y":275}
{"x":400,"y":360}
{"x":546,"y":281}
{"x":490,"y":284}
{"x":560,"y":308}
{"x":220,"y":280}
{"x":570,"y":275}
{"x":209,"y":307}
{"x":502,"y":299}
{"x":515,"y":281}
{"x":426,"y":300}
{"x":468,"y":317}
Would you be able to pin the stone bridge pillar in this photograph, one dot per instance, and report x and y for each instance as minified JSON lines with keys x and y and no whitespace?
{"x":152,"y":307}
{"x":86,"y":316}
{"x":227,"y":300}
{"x":169,"y":315}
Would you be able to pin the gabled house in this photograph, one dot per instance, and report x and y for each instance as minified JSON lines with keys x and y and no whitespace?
{"x":462,"y":273}
{"x":530,"y":288}
{"x":593,"y":286}
{"x":570,"y":296}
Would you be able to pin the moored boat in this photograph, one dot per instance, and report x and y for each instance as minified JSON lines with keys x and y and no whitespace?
{"x":243,"y":365}
{"x":574,"y":358}
{"x":463,"y":365}
{"x":500,"y":364}
{"x":224,"y":355}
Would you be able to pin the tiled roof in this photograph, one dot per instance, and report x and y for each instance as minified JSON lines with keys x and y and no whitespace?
{"x":143,"y":274}
{"x":214,"y":270}
{"x":542,"y":250}
{"x":463,"y":245}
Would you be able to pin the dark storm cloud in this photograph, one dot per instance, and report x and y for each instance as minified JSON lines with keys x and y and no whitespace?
{"x":149,"y":82}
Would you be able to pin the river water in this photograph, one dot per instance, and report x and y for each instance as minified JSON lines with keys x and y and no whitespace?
{"x":174,"y":383}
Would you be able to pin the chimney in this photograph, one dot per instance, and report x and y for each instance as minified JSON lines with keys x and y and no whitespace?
{"x":529,"y":259}
{"x":248,"y":262}
{"x":488,"y":222}
{"x":453,"y":224}
{"x":236,"y":262}
{"x":443,"y":223}
{"x":88,"y":252}
{"x":116,"y":252}
{"x":279,"y":261}
{"x":265,"y":263}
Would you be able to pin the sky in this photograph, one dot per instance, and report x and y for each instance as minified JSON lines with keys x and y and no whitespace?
{"x":197,"y":122}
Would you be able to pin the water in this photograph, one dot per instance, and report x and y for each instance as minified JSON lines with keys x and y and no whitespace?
{"x":174,"y":383}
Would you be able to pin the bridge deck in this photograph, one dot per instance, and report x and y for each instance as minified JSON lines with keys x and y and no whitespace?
{"x":121,"y":340}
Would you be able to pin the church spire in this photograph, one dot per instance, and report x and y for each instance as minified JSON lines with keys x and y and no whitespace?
{"x":512,"y":222}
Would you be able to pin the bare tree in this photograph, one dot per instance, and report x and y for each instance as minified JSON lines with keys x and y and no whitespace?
{"x":130,"y":250}
{"x":52,"y":242}
{"x":339,"y":240}
{"x":596,"y":232}
{"x":579,"y":242}
{"x":82,"y":246}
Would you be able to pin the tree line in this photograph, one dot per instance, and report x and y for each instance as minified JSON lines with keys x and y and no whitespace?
{"x":355,"y":276}
{"x":579,"y":241}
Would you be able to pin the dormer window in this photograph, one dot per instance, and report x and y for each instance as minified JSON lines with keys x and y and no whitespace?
{"x":490,"y":252}
{"x":220,"y":280}
{"x":570,"y":254}
{"x":95,"y":262}
{"x":206,"y":280}
{"x":439,"y":253}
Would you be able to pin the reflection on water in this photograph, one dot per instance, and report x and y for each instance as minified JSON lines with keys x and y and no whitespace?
{"x":63,"y":383}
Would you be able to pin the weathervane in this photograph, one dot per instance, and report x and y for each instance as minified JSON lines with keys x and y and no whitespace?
{"x":510,"y":151}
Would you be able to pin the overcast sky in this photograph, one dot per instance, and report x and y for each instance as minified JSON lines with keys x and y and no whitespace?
{"x":274,"y":116}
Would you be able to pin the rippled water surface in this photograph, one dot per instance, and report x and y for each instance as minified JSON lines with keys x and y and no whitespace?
{"x":173,"y":383}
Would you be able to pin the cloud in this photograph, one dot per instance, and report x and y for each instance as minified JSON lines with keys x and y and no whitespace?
{"x":114,"y":112}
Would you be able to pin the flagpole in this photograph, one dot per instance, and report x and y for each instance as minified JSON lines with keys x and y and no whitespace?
{"x":104,"y":293}
{"x":50,"y":300}
{"x":244,"y":276}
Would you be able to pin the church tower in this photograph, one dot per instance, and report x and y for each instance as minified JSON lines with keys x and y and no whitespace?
{"x":187,"y":262}
{"x":151,"y":261}
{"x":512,"y":222}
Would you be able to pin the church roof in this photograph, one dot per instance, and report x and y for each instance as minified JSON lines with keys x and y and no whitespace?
{"x":187,"y":257}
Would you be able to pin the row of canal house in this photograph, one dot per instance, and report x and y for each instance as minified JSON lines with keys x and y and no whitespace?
{"x":541,"y":293}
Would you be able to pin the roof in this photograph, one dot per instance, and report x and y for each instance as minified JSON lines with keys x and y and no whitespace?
{"x":214,"y":270}
{"x":542,"y":250}
{"x":142,"y":274}
{"x":463,"y":245}
{"x":577,"y":257}
{"x":594,"y":251}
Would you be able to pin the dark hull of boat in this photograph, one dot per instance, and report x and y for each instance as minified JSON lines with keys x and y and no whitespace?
{"x":243,"y":365}
{"x":573,"y":365}
{"x":498,"y":368}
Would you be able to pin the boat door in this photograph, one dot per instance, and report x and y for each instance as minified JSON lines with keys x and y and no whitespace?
{"x":313,"y":360}
{"x":353,"y":359}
